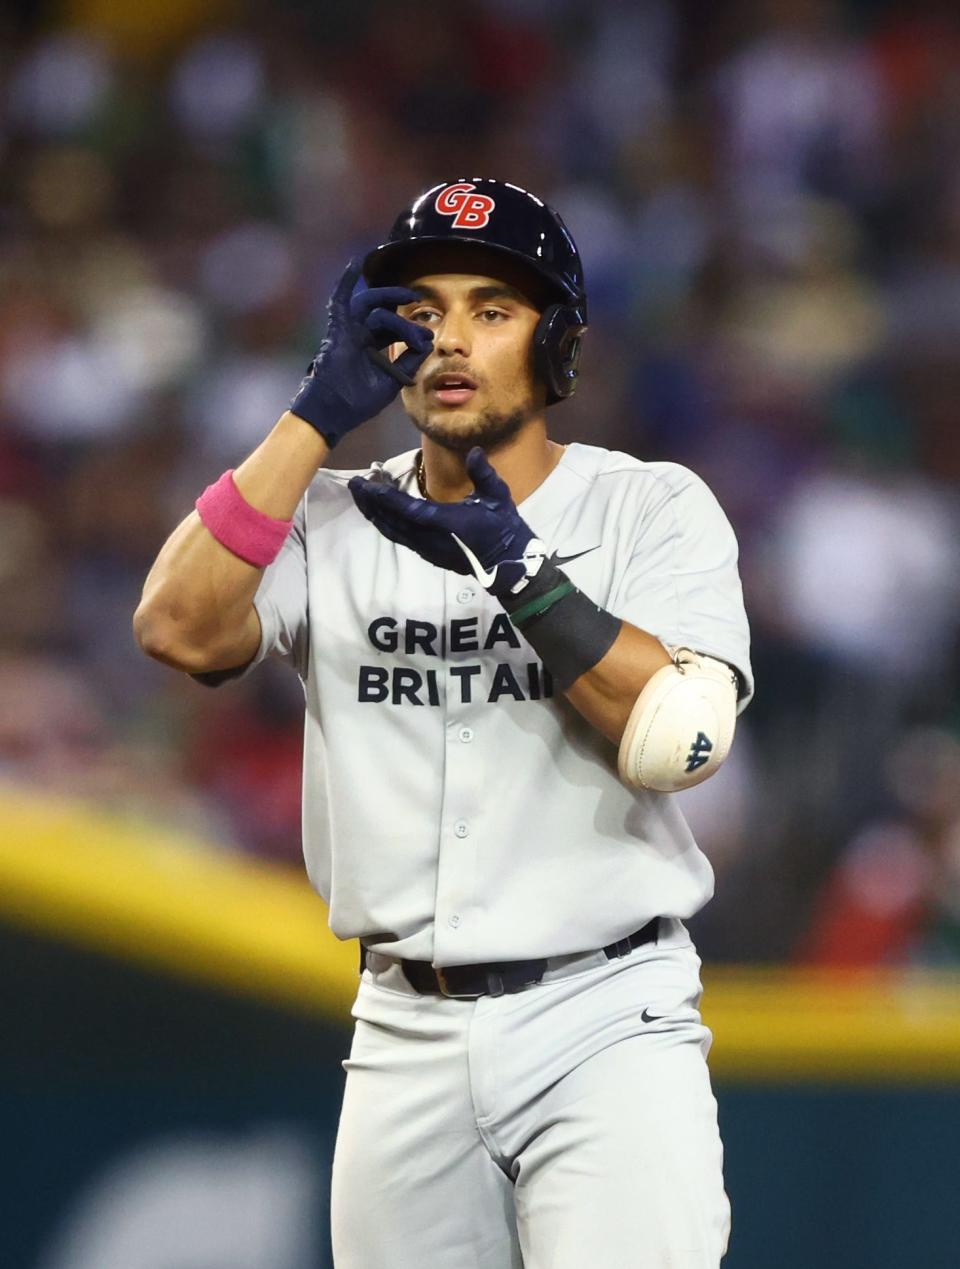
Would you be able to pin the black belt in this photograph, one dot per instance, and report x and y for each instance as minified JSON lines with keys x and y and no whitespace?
{"x":499,"y":978}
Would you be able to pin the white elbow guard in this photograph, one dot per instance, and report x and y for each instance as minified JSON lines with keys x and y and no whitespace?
{"x":681,"y":727}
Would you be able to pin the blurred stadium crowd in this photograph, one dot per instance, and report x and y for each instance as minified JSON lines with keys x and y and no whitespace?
{"x":767,"y":198}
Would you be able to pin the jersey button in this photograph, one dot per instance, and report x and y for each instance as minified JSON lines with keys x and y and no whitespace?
{"x":454,"y":921}
{"x":461,"y":828}
{"x":464,"y":596}
{"x":466,"y":734}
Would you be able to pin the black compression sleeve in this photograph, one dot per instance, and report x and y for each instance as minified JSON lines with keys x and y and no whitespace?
{"x":568,"y":631}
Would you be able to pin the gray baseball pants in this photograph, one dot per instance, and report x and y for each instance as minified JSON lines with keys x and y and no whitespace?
{"x":566,"y":1126}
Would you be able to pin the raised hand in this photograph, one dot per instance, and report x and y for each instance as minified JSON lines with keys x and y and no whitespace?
{"x":484,"y":534}
{"x":351,"y":379}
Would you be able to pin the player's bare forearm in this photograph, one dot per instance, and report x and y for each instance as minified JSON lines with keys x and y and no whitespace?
{"x":276,"y":475}
{"x":197,"y":612}
{"x":606,"y":694}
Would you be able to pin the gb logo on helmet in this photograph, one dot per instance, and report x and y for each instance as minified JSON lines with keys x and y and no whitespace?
{"x":468,"y":209}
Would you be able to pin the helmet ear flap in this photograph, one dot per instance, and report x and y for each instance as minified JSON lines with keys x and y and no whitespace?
{"x":556,"y":349}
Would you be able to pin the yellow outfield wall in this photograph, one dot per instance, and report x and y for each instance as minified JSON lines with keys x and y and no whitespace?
{"x":113,"y":883}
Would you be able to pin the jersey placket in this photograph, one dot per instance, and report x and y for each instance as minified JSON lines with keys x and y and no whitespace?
{"x":460,"y":824}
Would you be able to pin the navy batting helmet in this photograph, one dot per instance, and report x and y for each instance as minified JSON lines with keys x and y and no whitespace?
{"x":515,"y":223}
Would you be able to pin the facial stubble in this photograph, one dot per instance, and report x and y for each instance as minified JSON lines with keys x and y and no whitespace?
{"x":489,"y":431}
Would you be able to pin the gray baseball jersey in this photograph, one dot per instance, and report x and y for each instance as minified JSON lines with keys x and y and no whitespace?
{"x":457,"y":808}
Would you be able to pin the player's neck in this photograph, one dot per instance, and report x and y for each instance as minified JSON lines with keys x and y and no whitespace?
{"x":524,"y":463}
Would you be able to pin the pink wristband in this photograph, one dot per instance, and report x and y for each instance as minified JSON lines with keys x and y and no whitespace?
{"x":242,"y":529}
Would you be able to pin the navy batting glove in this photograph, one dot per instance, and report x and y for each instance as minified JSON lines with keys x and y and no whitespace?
{"x":351,"y":378}
{"x":484,"y":534}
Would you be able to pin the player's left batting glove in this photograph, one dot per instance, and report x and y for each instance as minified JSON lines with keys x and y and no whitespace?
{"x":484,"y":534}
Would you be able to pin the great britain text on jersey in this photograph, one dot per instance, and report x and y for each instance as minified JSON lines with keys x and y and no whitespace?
{"x":463,"y":683}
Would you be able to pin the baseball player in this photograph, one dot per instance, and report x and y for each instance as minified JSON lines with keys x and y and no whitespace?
{"x":512,"y":653}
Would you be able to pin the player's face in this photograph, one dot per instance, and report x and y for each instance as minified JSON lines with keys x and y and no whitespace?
{"x":477,"y":386}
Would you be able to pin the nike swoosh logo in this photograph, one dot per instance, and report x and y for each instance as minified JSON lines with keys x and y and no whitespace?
{"x":647,"y":1016}
{"x":566,"y":559}
{"x":483,"y":576}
